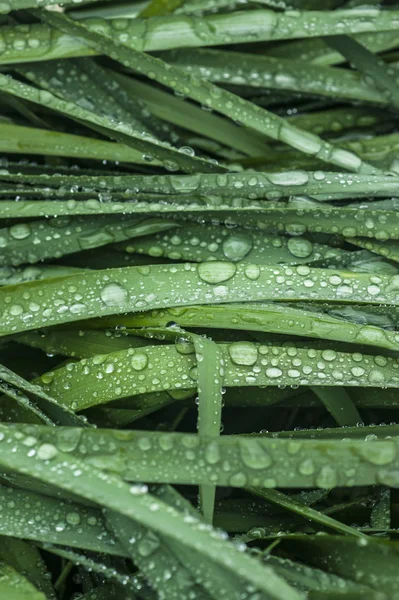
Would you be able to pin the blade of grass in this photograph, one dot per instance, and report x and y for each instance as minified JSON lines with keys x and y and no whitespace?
{"x":381,"y":76}
{"x":131,"y":289}
{"x":310,"y":514}
{"x":58,"y":237}
{"x":15,"y":586}
{"x":109,"y":491}
{"x":255,"y":461}
{"x":271,"y":318}
{"x":276,"y":74}
{"x":339,"y":403}
{"x":18,"y":139}
{"x":161,"y":33}
{"x":212,"y":96}
{"x":210,"y":367}
{"x":25,"y":558}
{"x":120,"y":131}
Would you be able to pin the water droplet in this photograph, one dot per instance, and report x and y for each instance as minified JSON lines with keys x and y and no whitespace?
{"x":47,"y":452}
{"x":326,"y":478}
{"x":114,"y":294}
{"x":73,"y":518}
{"x":253,"y":455}
{"x":237,"y":246}
{"x":300,"y":247}
{"x":139,"y":361}
{"x":378,"y":453}
{"x":216,"y":272}
{"x":252,"y":272}
{"x":243,"y":353}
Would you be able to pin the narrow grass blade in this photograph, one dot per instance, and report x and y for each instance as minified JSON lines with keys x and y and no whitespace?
{"x":160,"y":33}
{"x":345,"y":560}
{"x":18,"y":139}
{"x":26,"y":559}
{"x":277,"y":74}
{"x":210,"y":367}
{"x":157,"y":8}
{"x":284,"y":501}
{"x":381,"y":513}
{"x":255,"y":461}
{"x":131,"y":289}
{"x":75,"y":384}
{"x":15,"y":586}
{"x":214,"y":97}
{"x":12,"y":276}
{"x":316,"y":51}
{"x":56,"y":411}
{"x":148,"y":549}
{"x":323,"y":185}
{"x":59,"y":237}
{"x":51,"y":520}
{"x":80,"y":343}
{"x":381,"y":76}
{"x":339,"y":403}
{"x":272,"y":318}
{"x":120,"y":131}
{"x":90,"y":483}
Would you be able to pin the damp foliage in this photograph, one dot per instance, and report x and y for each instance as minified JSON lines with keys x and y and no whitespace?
{"x":199,"y":300}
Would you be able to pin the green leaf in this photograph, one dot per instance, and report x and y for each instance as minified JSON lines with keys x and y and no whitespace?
{"x":16,"y":587}
{"x":212,"y":96}
{"x":255,"y":461}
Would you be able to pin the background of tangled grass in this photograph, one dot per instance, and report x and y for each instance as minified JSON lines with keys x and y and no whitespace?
{"x":199,"y":248}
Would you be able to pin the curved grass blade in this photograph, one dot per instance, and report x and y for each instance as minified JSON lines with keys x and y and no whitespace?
{"x":152,"y":554}
{"x":95,"y":565}
{"x":255,"y":461}
{"x":52,"y":520}
{"x":213,"y":97}
{"x":26,"y":559}
{"x":15,"y":586}
{"x":271,"y":318}
{"x":80,"y":343}
{"x":18,"y":139}
{"x":110,"y":492}
{"x":339,"y":403}
{"x":25,"y":410}
{"x":388,"y":248}
{"x":120,"y":131}
{"x":161,"y":33}
{"x":45,"y":403}
{"x":376,"y":557}
{"x":87,"y":84}
{"x":277,"y":74}
{"x":133,"y":289}
{"x":189,"y":116}
{"x":55,"y":238}
{"x":104,"y":378}
{"x":310,"y":514}
{"x":381,"y":76}
{"x":320,"y":583}
{"x":316,"y":51}
{"x":201,"y":243}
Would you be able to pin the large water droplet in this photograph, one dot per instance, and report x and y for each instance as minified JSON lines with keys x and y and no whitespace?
{"x":236,"y":247}
{"x":216,"y":272}
{"x":114,"y":294}
{"x":243,"y":353}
